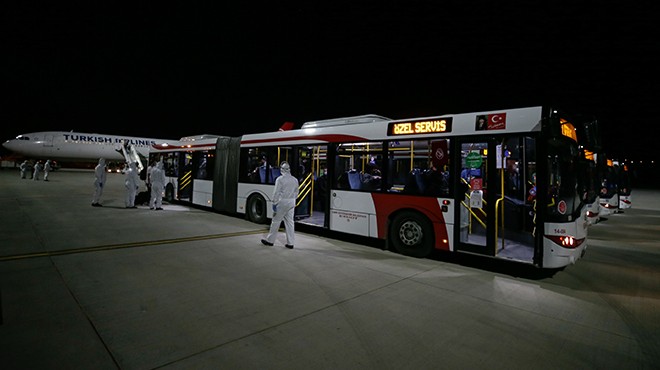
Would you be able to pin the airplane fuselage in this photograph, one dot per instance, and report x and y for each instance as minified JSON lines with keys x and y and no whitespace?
{"x":76,"y":146}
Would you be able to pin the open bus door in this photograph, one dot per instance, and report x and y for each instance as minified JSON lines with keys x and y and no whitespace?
{"x":496,"y":210}
{"x":185,"y":180}
{"x":475,"y":202}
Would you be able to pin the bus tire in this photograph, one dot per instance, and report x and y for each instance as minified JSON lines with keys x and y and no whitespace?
{"x":411,"y":234}
{"x":256,"y":209}
{"x":169,"y":193}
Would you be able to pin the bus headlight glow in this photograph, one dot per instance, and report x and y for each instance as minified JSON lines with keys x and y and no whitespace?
{"x":566,"y":241}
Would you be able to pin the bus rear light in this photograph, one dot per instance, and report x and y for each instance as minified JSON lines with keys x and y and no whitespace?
{"x":591,"y":214}
{"x":626,"y":201}
{"x":607,"y":205}
{"x":566,"y":241}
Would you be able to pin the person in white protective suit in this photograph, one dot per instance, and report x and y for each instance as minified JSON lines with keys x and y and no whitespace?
{"x":132,"y":179}
{"x":47,"y":169}
{"x":37,"y":170}
{"x":157,"y":179}
{"x":24,"y":168}
{"x":284,"y":204}
{"x":99,"y":182}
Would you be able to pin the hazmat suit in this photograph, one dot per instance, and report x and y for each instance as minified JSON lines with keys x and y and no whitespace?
{"x":99,"y":181}
{"x":47,"y":169}
{"x":24,"y":168}
{"x":157,"y":179}
{"x":37,"y":171}
{"x":284,"y":204}
{"x":132,"y":180}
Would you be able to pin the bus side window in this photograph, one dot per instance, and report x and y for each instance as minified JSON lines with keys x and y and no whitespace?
{"x":414,"y":182}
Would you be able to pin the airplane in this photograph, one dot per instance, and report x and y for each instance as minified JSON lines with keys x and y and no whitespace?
{"x":82,"y":147}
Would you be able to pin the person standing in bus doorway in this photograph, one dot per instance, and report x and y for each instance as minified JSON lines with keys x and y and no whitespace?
{"x":47,"y":169}
{"x":131,"y":183}
{"x":99,"y":181}
{"x":284,"y":203}
{"x":157,"y":179}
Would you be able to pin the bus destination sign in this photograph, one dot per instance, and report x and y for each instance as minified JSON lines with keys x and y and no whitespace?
{"x":426,"y":126}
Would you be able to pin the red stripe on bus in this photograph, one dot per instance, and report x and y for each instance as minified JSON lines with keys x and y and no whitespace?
{"x":326,"y":138}
{"x":386,"y":204}
{"x":190,"y":146}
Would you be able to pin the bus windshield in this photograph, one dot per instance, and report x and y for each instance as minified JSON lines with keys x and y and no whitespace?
{"x":564,"y":200}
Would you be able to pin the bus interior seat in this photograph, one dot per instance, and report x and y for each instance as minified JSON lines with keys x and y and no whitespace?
{"x":354,"y":179}
{"x":262,"y":174}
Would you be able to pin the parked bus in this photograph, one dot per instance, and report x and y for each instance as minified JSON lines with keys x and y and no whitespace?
{"x":501,"y":183}
{"x":590,"y":176}
{"x":625,"y":187}
{"x":609,"y":190}
{"x":188,"y":164}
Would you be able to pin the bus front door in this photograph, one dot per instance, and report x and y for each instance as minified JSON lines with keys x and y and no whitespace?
{"x":475,"y":203}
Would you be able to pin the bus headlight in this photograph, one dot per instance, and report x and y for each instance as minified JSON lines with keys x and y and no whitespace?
{"x":566,"y":241}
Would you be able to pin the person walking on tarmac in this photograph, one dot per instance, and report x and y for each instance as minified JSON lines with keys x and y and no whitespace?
{"x":99,"y":182}
{"x":284,"y":203}
{"x":37,"y":170}
{"x":132,"y":179}
{"x":157,"y":179}
{"x":47,"y":169}
{"x":24,"y":167}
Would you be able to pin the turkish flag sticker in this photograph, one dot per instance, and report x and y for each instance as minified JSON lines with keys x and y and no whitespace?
{"x":497,"y":121}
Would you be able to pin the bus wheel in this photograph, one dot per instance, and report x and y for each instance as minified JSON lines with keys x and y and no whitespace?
{"x":411,"y":234}
{"x":169,"y":193}
{"x":256,"y":209}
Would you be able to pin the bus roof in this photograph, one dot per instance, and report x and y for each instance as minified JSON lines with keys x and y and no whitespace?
{"x":366,"y":118}
{"x":517,"y":120}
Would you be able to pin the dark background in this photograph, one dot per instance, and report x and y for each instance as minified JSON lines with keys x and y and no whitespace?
{"x":165,"y":72}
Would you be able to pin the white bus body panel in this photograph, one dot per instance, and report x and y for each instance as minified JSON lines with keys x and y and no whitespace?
{"x":353,"y":212}
{"x":203,"y":193}
{"x":609,"y":206}
{"x":593,"y":212}
{"x":556,"y":256}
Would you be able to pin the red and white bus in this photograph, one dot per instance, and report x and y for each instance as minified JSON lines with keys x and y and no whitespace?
{"x":188,"y":165}
{"x":501,"y":183}
{"x":615,"y":193}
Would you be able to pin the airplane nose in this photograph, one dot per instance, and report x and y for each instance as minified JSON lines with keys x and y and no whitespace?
{"x":8,"y":144}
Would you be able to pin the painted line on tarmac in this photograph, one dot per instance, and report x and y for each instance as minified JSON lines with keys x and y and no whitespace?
{"x":127,"y":245}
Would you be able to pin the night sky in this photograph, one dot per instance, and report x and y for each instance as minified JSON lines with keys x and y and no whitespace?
{"x":166,"y":72}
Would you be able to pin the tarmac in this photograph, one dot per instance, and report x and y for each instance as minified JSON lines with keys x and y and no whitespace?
{"x":83,"y":287}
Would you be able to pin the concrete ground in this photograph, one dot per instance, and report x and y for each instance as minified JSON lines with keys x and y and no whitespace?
{"x":114,"y":288}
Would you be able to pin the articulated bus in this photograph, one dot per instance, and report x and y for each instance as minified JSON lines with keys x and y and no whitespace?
{"x":503,"y":184}
{"x":188,"y":165}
